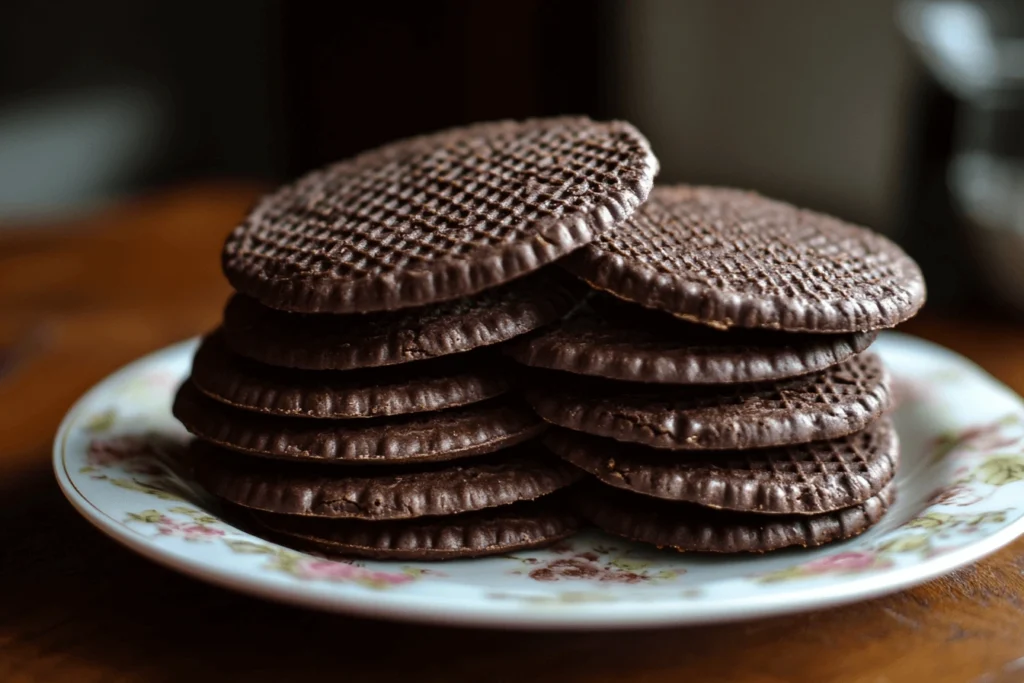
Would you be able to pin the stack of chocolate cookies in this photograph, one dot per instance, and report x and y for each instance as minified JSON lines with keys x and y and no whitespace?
{"x":354,"y":400}
{"x":710,"y":390}
{"x":717,"y":387}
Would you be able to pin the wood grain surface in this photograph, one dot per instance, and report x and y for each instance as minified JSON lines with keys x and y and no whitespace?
{"x":81,"y":298}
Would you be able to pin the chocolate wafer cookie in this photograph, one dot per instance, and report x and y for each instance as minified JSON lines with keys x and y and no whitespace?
{"x":421,"y":437}
{"x":731,"y":258}
{"x":346,"y":342}
{"x":493,"y":531}
{"x":623,"y":341}
{"x":440,"y":216}
{"x":418,"y":387}
{"x":692,"y":528}
{"x":524,"y":472}
{"x":825,"y":405}
{"x":822,"y":476}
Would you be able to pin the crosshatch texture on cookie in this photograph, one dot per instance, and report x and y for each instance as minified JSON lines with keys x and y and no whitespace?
{"x":420,"y":437}
{"x":691,"y":528}
{"x":624,"y":341}
{"x":523,"y":472}
{"x":811,"y":478}
{"x":495,"y":531}
{"x":728,"y":258}
{"x":825,"y":405}
{"x":421,"y":386}
{"x":347,"y":342}
{"x":439,"y":216}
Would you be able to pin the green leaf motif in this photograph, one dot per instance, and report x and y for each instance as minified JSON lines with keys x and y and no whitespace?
{"x":248,"y":547}
{"x":668,"y":574}
{"x":141,"y":487}
{"x":782,"y":575}
{"x":1001,"y":469}
{"x":629,"y":565}
{"x":416,"y":572}
{"x":944,"y":445}
{"x":146,"y":517}
{"x":101,"y":422}
{"x":906,"y":544}
{"x":995,"y":517}
{"x":932,"y":520}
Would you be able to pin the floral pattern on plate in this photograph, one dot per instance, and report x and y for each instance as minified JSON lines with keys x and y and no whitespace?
{"x":960,"y":496}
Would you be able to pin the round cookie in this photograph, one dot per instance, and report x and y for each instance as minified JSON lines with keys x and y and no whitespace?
{"x":424,"y":437}
{"x":524,"y":472}
{"x":347,"y":342}
{"x":440,"y":216}
{"x":623,"y":341}
{"x":825,"y":405}
{"x":418,"y":387}
{"x":729,"y":258}
{"x":807,"y":479}
{"x":493,"y":531}
{"x":691,"y":528}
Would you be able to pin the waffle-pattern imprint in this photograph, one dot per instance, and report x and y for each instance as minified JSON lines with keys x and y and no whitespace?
{"x":690,"y":528}
{"x":824,"y":405}
{"x":494,"y":531}
{"x":524,"y":472}
{"x":440,"y":216}
{"x":626,"y":342}
{"x":419,"y":387}
{"x":812,"y":478}
{"x":421,"y":437}
{"x":346,"y":342}
{"x":731,"y":258}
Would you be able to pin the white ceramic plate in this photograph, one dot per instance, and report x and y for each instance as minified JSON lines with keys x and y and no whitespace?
{"x":961,"y":496}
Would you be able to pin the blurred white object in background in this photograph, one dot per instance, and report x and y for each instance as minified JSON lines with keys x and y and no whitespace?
{"x":976,"y":52}
{"x":63,"y":153}
{"x":990,"y":193}
{"x":959,"y":43}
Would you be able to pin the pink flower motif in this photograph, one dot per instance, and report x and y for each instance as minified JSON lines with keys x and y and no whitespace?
{"x":163,"y":379}
{"x":958,"y":494}
{"x":909,"y":391}
{"x":108,"y":452}
{"x":841,"y":562}
{"x":188,"y":531}
{"x":981,"y":437}
{"x":193,"y":531}
{"x":327,"y":570}
{"x":585,"y":566}
{"x":136,"y":454}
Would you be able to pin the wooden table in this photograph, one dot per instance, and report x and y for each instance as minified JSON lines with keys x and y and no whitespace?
{"x":81,"y":298}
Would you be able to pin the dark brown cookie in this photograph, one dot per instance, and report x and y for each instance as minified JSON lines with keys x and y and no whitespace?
{"x":524,"y":472}
{"x":730,"y":258}
{"x":825,"y":405}
{"x":346,"y":342}
{"x":493,"y":531}
{"x":422,"y":437}
{"x":691,"y":528}
{"x":623,"y":341}
{"x":821,"y":476}
{"x":440,"y":216}
{"x":377,"y":392}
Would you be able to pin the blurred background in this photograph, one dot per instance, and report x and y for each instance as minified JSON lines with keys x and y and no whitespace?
{"x":903,"y":116}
